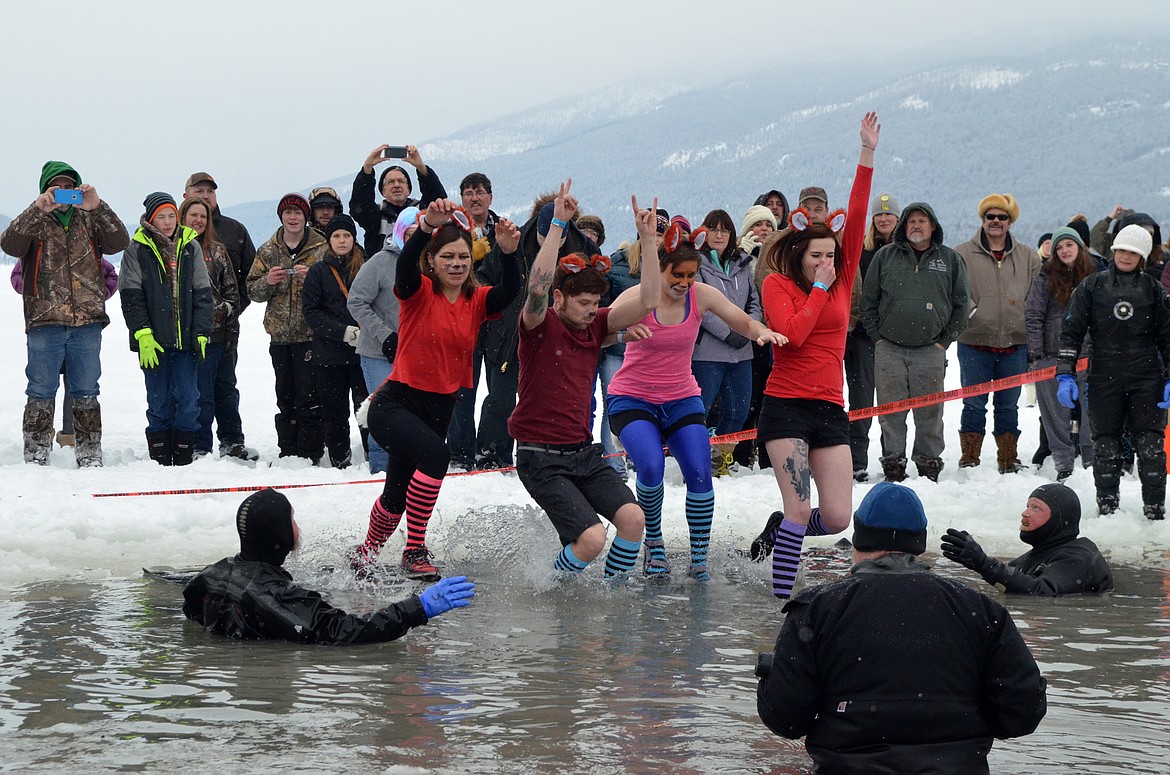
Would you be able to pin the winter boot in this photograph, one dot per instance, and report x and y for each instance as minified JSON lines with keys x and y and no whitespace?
{"x":1107,"y":503}
{"x":183,"y":447}
{"x":722,"y":459}
{"x":1006,"y":454}
{"x":894,"y":469}
{"x":1155,"y":511}
{"x":87,"y":427}
{"x":930,"y":468}
{"x":158,"y":445}
{"x":416,"y":563}
{"x":65,"y":439}
{"x":38,"y":431}
{"x":970,"y":446}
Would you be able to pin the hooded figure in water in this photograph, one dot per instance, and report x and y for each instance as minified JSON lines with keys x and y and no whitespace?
{"x":1059,"y":563}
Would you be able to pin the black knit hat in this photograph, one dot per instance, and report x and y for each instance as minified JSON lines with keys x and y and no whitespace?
{"x":340,"y":222}
{"x":264,"y":522}
{"x":890,"y":518}
{"x":156,"y":201}
{"x":385,"y":172}
{"x":1044,"y":238}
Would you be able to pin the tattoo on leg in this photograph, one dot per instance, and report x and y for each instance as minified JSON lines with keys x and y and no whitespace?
{"x":796,"y":465}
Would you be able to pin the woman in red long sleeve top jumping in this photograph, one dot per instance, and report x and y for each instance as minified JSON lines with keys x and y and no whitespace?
{"x":803,"y":423}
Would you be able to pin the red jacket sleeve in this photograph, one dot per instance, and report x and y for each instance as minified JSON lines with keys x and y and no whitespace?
{"x":856,"y":220}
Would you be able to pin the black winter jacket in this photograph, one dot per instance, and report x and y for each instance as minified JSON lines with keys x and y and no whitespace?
{"x":145,"y":291}
{"x":1127,"y":317}
{"x":325,"y":308}
{"x":896,"y":670}
{"x":252,"y":599}
{"x":234,"y":236}
{"x":378,"y":221}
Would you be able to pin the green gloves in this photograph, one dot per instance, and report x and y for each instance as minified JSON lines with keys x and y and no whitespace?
{"x":202,"y":340}
{"x":148,"y":348}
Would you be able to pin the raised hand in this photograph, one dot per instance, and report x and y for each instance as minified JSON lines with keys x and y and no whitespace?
{"x":507,"y":236}
{"x":414,"y":158}
{"x":826,"y":272}
{"x":438,"y":212}
{"x":645,"y":220}
{"x":871,"y":131}
{"x":958,"y":546}
{"x":565,"y":205}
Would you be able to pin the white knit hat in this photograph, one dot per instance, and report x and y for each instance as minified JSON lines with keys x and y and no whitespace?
{"x":754,"y":215}
{"x":1135,"y":239}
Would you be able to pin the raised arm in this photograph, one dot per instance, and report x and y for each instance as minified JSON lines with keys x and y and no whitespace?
{"x":544,"y":268}
{"x":631,"y":307}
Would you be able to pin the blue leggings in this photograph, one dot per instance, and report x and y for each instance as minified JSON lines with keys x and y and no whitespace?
{"x":690,"y":445}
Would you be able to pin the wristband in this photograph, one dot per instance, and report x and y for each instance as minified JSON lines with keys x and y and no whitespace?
{"x":621,"y":336}
{"x":559,"y":222}
{"x":821,"y":285}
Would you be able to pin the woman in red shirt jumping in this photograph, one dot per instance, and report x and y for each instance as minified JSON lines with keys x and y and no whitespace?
{"x":441,"y":307}
{"x":803,"y":423}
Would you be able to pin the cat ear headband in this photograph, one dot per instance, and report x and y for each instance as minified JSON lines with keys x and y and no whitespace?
{"x":800,"y":220}
{"x":575,"y":262}
{"x":675,"y":237}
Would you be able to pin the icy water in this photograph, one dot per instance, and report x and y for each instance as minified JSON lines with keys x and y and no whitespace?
{"x":537,"y":676}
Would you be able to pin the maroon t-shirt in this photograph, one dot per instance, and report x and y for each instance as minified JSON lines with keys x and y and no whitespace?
{"x":557,"y":369}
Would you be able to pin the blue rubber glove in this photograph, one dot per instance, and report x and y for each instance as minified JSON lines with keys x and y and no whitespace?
{"x":202,"y":340}
{"x":453,"y":592}
{"x":1165,"y":402}
{"x":1067,"y":392}
{"x":148,"y":348}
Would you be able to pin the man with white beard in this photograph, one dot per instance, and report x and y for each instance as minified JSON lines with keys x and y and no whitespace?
{"x":913,"y":305}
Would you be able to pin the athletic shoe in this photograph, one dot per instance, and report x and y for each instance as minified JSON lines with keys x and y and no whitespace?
{"x":416,"y":563}
{"x":654,"y":559}
{"x":363,"y":567}
{"x":762,"y":546}
{"x":239,"y":451}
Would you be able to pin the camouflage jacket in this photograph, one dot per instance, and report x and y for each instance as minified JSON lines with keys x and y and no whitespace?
{"x":64,"y":283}
{"x":225,"y":295}
{"x":283,"y":319}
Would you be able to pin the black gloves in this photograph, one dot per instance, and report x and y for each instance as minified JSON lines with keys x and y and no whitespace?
{"x":958,"y":546}
{"x":735,"y":340}
{"x":390,"y":346}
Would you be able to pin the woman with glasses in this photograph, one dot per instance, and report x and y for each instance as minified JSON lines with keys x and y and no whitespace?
{"x":441,"y":308}
{"x":722,"y":359}
{"x":803,"y":424}
{"x":655,"y":400}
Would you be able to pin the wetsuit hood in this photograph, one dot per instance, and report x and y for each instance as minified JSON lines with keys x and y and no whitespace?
{"x":264,"y":522}
{"x":1065,"y":523}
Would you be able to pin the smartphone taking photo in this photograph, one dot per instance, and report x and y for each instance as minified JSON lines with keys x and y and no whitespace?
{"x":67,"y":196}
{"x":394,"y":152}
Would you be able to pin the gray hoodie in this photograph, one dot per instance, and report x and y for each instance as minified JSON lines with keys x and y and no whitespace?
{"x":734,"y":282}
{"x":372,"y":301}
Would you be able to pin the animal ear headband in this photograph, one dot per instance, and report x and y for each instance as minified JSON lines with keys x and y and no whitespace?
{"x":575,"y":262}
{"x":675,"y":237}
{"x":459,"y":217}
{"x":800,"y":220}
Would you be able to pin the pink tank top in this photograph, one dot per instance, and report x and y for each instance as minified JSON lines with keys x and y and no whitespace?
{"x":658,"y":369}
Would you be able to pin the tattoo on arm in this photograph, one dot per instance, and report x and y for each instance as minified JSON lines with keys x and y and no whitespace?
{"x":538,"y":285}
{"x":796,"y":465}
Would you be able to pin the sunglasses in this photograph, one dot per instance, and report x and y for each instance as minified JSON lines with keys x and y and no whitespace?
{"x":996,"y":217}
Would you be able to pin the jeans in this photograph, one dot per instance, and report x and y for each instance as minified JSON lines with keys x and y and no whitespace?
{"x":608,"y":366}
{"x":207,"y":371}
{"x":77,"y":348}
{"x":730,"y":381}
{"x":976,"y":366}
{"x":172,"y":392}
{"x":228,"y":425}
{"x":375,"y":371}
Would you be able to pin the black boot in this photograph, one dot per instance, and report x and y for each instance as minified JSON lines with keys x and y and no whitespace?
{"x":762,"y":546}
{"x":184,"y":447}
{"x":158,"y":444}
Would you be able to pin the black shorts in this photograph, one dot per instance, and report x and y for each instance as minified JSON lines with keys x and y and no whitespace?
{"x":820,"y":423}
{"x":572,"y":485}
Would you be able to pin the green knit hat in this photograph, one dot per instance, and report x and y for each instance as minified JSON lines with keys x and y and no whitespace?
{"x":54,"y":168}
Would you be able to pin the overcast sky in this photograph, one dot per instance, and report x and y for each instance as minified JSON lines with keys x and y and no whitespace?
{"x":272,"y":97}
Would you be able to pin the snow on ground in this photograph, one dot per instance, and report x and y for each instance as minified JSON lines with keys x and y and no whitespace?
{"x":51,"y":526}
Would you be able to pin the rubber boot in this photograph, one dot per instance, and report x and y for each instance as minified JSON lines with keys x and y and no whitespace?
{"x":87,"y":428}
{"x":184,"y":447}
{"x":970,"y":446}
{"x":158,"y":445}
{"x":37,"y":427}
{"x":1006,"y":455}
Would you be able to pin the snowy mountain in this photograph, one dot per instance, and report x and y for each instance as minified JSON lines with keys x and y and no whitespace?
{"x":1078,"y":133}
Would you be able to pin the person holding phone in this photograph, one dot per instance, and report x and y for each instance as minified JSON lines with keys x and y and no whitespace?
{"x":395,"y":187}
{"x":60,"y":248}
{"x":441,"y":308}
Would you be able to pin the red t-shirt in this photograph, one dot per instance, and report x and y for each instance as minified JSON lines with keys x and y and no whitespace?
{"x":810,"y":365}
{"x":436,"y":338}
{"x":557,"y":370}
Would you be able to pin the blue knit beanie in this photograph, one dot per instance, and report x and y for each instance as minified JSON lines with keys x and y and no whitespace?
{"x":890,"y":518}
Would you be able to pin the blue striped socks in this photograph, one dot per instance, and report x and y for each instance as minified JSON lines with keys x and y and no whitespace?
{"x":567,"y":562}
{"x":622,"y":556}
{"x":700,"y":510}
{"x":650,"y":499}
{"x":786,"y":558}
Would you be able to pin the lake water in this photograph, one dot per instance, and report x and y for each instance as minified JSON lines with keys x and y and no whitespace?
{"x":538,"y":675}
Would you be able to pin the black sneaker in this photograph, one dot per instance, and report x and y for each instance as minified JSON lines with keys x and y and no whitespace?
{"x":1063,"y":474}
{"x":860,"y":475}
{"x":239,"y":452}
{"x":762,"y":546}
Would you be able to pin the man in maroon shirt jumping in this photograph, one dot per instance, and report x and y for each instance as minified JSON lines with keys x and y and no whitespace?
{"x":556,"y":458}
